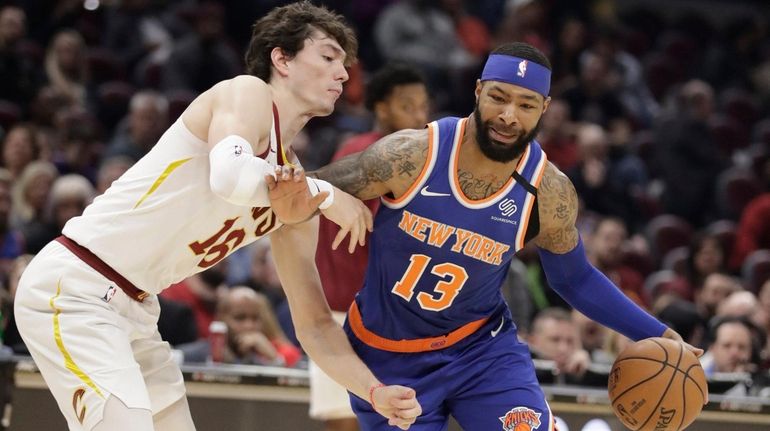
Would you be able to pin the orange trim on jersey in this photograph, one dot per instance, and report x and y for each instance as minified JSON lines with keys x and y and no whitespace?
{"x":539,"y":175}
{"x":530,"y":203}
{"x":422,"y":173}
{"x":166,"y":172}
{"x":413,"y":345}
{"x":456,"y":165}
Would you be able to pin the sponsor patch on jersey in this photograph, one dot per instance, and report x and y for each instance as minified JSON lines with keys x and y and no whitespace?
{"x":521,"y":419}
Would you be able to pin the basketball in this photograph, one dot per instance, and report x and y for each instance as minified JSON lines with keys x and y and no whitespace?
{"x":656,"y":384}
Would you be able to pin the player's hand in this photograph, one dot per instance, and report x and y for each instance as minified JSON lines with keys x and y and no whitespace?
{"x":671,"y":334}
{"x":290,"y":197}
{"x":352,"y":216}
{"x":397,"y":403}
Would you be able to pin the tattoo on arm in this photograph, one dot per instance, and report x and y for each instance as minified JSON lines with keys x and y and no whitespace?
{"x":558,"y":208}
{"x":384,"y":167}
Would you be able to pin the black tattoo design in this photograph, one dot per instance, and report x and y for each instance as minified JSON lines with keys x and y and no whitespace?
{"x":477,"y":188}
{"x":558,"y":206}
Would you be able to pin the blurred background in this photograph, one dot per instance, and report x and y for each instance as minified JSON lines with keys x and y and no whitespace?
{"x":660,"y":116}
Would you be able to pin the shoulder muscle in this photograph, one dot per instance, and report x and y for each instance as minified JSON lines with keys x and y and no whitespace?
{"x":558,"y":210}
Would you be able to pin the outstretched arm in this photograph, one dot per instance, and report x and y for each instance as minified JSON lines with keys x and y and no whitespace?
{"x":322,"y":338}
{"x":571,"y":275}
{"x":389,"y":166}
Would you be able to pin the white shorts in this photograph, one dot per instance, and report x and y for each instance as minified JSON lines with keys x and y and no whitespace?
{"x":90,"y":340}
{"x":328,"y":399}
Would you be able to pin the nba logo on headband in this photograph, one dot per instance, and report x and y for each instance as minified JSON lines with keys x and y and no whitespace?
{"x":522,"y":68}
{"x":517,"y":71}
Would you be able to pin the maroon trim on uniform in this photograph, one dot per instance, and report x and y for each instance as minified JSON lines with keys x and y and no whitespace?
{"x":279,"y":145}
{"x":102,"y":268}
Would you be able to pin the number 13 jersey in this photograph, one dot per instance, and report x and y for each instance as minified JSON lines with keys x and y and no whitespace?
{"x":437,"y":259}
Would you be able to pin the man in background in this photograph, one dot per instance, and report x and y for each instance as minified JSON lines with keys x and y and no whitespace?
{"x":398,"y":98}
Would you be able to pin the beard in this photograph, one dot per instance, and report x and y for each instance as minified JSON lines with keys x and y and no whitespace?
{"x":496,"y":150}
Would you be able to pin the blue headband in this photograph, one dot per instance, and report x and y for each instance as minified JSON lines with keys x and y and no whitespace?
{"x":517,"y":71}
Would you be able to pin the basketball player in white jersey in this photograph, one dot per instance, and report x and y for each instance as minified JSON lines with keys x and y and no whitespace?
{"x":87,"y":305}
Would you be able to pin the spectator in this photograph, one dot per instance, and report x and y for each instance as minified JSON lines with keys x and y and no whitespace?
{"x":605,"y":250}
{"x":201,"y":293}
{"x":145,"y":123}
{"x":716,"y":288}
{"x":253,"y":333}
{"x":686,"y":149}
{"x":66,"y":67}
{"x":200,"y":60}
{"x":110,"y":170}
{"x":18,"y":73}
{"x":20,"y":147}
{"x":11,"y":336}
{"x":11,"y":241}
{"x":30,"y":194}
{"x":705,"y":256}
{"x":557,"y":136}
{"x":70,"y":194}
{"x":554,"y":337}
{"x":733,"y":349}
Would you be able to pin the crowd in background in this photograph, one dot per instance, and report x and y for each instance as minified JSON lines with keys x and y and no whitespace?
{"x":660,"y":119}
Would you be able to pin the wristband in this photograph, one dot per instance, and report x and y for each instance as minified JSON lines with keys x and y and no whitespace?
{"x":317,"y":186}
{"x":371,"y":394}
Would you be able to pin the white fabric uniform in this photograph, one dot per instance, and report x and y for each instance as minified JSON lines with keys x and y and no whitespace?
{"x":156,"y":225}
{"x":328,"y":399}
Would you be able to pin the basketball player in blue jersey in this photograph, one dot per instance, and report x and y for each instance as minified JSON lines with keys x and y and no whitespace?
{"x":460,"y":198}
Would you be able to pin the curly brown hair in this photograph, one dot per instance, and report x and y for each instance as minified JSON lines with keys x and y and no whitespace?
{"x":288,"y":27}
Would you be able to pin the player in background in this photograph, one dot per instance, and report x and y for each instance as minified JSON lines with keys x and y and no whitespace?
{"x":397,"y":96}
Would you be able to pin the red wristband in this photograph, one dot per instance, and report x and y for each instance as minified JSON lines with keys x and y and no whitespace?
{"x":371,"y":394}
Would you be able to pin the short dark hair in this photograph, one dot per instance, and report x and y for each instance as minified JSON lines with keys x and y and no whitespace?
{"x":383,"y":82}
{"x":525,"y":51}
{"x":288,"y":27}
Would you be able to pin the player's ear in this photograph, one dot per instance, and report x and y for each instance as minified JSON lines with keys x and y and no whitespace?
{"x":546,"y":103}
{"x":280,"y":61}
{"x":478,"y":89}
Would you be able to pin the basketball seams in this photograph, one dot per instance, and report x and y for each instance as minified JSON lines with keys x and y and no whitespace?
{"x":668,"y":386}
{"x":687,"y":376}
{"x":663,"y":410}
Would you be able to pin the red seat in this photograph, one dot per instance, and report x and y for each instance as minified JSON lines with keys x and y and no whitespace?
{"x":667,"y":232}
{"x":728,"y":134}
{"x":756,"y":269}
{"x":178,"y":101}
{"x":114,"y":98}
{"x":740,"y":106}
{"x":10,"y":114}
{"x":104,"y":66}
{"x":735,"y":188}
{"x":676,"y":260}
{"x":725,"y":232}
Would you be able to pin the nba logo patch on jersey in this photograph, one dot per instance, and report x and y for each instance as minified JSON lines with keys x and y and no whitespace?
{"x":238,"y":150}
{"x":521,"y":419}
{"x":110,"y":293}
{"x":522,"y":68}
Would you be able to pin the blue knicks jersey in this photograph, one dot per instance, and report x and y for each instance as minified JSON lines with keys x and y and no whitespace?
{"x":437,"y":259}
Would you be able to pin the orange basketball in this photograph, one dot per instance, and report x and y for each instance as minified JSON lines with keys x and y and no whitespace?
{"x":657,"y":385}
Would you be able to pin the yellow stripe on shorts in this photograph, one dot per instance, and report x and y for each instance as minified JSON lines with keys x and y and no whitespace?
{"x":166,"y":172}
{"x":69,"y":363}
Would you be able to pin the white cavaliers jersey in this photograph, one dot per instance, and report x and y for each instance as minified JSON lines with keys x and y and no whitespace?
{"x":160,"y":222}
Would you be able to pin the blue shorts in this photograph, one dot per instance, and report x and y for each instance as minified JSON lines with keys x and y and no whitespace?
{"x":485,"y":382}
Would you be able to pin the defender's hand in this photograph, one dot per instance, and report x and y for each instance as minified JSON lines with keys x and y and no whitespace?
{"x":397,"y":403}
{"x":290,"y":197}
{"x":352,"y":216}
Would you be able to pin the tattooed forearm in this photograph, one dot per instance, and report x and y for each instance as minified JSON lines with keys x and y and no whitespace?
{"x":478,"y":188}
{"x":382,"y":168}
{"x":558,"y":207}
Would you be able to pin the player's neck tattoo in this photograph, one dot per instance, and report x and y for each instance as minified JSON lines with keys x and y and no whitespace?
{"x":478,"y":187}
